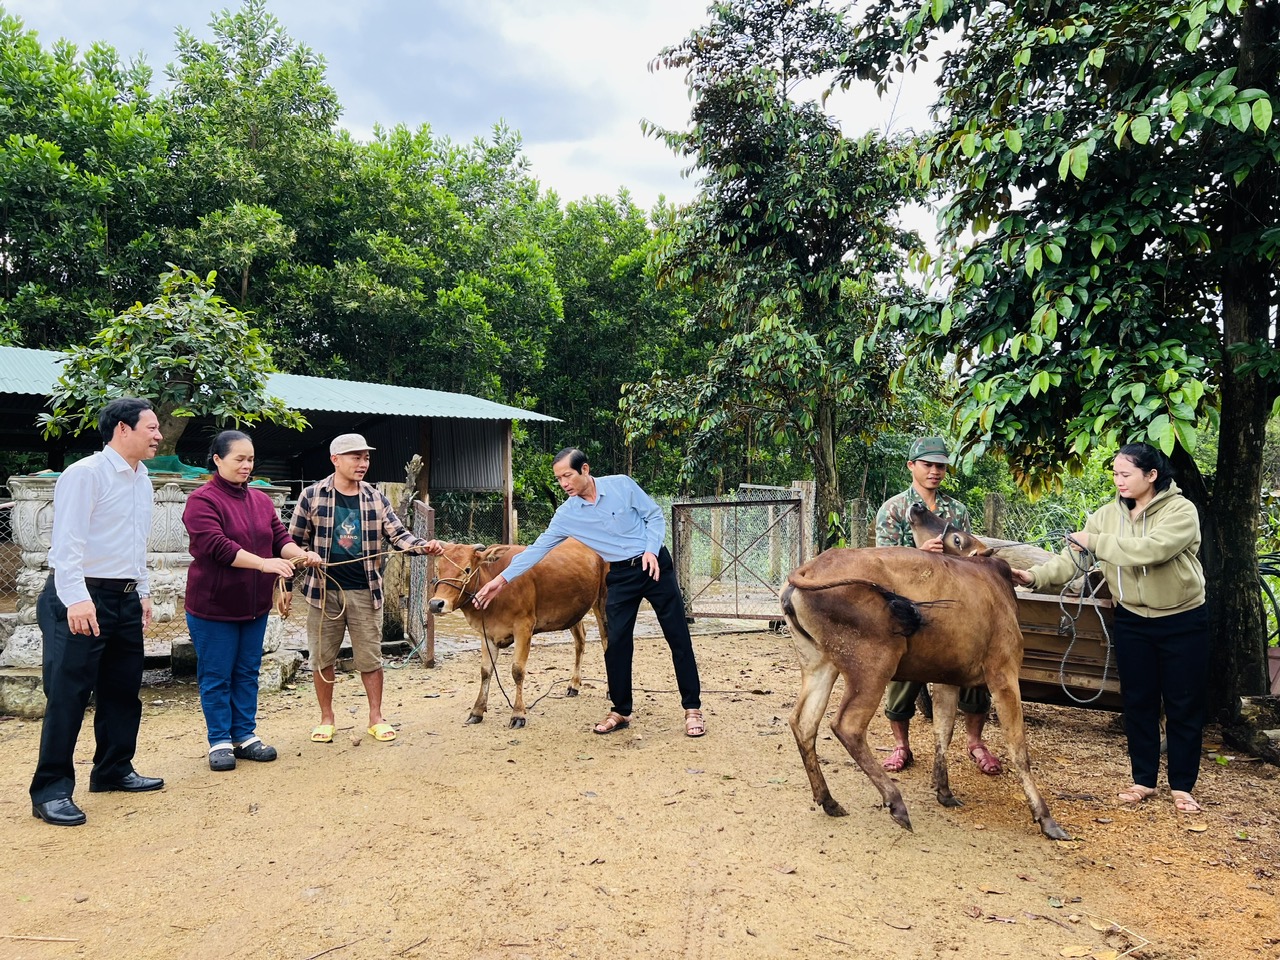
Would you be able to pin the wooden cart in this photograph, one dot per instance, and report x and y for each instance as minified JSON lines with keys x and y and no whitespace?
{"x":1046,"y":641}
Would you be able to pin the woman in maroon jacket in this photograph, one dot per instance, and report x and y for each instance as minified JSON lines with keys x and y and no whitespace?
{"x":240,"y":548}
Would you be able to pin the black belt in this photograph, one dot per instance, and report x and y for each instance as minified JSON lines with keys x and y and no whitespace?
{"x":633,"y":562}
{"x":117,"y":586}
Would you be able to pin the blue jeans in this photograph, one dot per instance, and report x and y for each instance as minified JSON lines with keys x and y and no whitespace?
{"x":228,"y":658}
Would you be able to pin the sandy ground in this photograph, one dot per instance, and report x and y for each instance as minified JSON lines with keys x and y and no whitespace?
{"x":484,"y":842}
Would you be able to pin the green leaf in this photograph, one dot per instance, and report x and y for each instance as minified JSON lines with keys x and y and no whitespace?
{"x":1178,"y":105}
{"x":1241,"y":116}
{"x":1187,"y":436}
{"x":1079,"y":162}
{"x":1014,"y":139}
{"x":1140,"y":129}
{"x":1064,"y":165}
{"x":1261,"y":113}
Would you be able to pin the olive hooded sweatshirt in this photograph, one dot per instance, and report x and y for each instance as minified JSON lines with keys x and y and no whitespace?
{"x":1150,"y":563}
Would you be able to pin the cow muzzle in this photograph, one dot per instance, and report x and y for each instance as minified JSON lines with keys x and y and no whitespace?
{"x":438,"y":606}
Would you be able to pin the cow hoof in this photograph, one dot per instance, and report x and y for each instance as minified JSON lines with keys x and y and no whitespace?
{"x":571,"y":692}
{"x":949,"y":800}
{"x":833,"y":809}
{"x":472,"y":718}
{"x":516,"y":723}
{"x":901,"y":818}
{"x":1049,"y":827}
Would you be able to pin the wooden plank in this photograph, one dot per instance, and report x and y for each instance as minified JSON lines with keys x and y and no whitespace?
{"x":1043,"y":671}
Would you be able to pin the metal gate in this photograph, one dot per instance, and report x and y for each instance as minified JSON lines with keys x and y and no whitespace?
{"x":732,"y":557}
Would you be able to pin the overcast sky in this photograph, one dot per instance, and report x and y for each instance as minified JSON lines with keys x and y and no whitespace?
{"x":570,"y":75}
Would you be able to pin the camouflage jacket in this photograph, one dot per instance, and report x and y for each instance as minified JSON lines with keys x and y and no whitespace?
{"x":893,"y":529}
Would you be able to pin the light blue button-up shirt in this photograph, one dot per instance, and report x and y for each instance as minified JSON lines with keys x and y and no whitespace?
{"x":101,"y":520}
{"x":624,"y":522}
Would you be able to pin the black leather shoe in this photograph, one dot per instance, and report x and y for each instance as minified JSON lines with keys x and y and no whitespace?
{"x":60,"y":812}
{"x":130,"y":783}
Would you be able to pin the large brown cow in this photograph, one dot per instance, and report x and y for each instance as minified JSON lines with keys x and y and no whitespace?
{"x":898,"y":613}
{"x":554,"y":594}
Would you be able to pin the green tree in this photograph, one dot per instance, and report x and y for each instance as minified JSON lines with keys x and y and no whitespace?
{"x":792,"y":234}
{"x":252,"y":166}
{"x":81,"y":149}
{"x":1111,"y":233}
{"x":618,"y":327}
{"x":187,"y":351}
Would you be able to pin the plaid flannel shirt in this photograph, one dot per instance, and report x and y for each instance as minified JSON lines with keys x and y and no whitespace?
{"x":312,"y":529}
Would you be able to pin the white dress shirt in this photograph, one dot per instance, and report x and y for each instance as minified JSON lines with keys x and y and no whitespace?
{"x":101,"y":519}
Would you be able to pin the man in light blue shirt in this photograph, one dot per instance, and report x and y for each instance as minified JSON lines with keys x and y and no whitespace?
{"x":92,"y":612}
{"x":619,"y":521}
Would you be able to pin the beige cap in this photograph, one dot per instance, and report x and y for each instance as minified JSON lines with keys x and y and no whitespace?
{"x":348,"y":443}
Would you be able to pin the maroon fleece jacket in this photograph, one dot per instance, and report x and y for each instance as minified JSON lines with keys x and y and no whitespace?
{"x":223,"y":518}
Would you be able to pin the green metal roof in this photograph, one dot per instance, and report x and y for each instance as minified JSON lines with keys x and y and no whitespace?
{"x":33,"y":372}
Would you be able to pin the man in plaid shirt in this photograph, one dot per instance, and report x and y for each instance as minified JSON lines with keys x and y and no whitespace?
{"x":345,"y":520}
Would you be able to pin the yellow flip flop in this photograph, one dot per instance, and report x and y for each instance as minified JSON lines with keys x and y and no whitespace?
{"x":382,"y":731}
{"x":322,"y":733}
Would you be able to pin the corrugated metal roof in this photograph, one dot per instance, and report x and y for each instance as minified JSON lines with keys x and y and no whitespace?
{"x":33,"y":372}
{"x":29,"y":371}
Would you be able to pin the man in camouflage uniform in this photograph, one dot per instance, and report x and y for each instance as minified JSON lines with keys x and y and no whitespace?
{"x":928,"y":460}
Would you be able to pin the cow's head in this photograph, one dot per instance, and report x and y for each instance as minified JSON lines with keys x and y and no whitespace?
{"x":455,"y":580}
{"x":925,"y":525}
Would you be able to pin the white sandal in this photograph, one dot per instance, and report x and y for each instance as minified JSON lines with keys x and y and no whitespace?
{"x":694,"y":723}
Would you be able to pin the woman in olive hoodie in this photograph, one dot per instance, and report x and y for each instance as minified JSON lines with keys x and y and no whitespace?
{"x":1146,"y":544}
{"x":239,"y":549}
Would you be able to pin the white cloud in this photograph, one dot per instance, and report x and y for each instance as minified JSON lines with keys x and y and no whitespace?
{"x":572,"y":76}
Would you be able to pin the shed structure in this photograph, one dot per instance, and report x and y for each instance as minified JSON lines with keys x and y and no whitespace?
{"x":464,"y":441}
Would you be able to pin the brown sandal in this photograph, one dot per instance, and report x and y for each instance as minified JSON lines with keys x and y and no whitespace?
{"x":898,"y":760}
{"x":1135,"y":794}
{"x":614,"y":721}
{"x":694,"y":724}
{"x":1184,"y":802}
{"x":987,"y":761}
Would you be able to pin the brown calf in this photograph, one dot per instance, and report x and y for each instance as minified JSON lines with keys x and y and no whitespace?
{"x":898,"y":613}
{"x":554,"y":594}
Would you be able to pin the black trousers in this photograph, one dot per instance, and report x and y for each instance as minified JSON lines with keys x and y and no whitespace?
{"x":1163,"y":661}
{"x":627,"y":587}
{"x":109,"y":666}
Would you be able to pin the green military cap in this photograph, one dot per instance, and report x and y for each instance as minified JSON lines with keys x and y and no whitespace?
{"x":930,"y":450}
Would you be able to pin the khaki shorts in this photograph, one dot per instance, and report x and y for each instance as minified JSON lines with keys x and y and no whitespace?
{"x":325,"y":630}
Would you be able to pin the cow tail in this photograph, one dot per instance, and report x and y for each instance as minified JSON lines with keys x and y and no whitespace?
{"x":789,"y":611}
{"x":905,"y":611}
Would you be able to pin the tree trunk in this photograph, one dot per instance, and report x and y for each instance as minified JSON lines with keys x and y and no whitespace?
{"x":825,"y":473}
{"x":1239,"y":667}
{"x":171,"y":429}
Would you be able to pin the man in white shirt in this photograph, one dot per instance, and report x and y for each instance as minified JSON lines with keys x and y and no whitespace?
{"x":94,"y":608}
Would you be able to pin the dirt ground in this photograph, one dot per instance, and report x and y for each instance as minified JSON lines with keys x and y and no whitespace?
{"x":484,"y":842}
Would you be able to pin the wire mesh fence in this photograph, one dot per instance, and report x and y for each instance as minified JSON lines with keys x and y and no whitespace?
{"x":1043,"y":524}
{"x":732,"y":555}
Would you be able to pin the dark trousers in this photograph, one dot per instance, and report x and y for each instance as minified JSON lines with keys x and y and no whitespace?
{"x":1163,"y":661}
{"x":109,"y":666}
{"x":628,"y":585}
